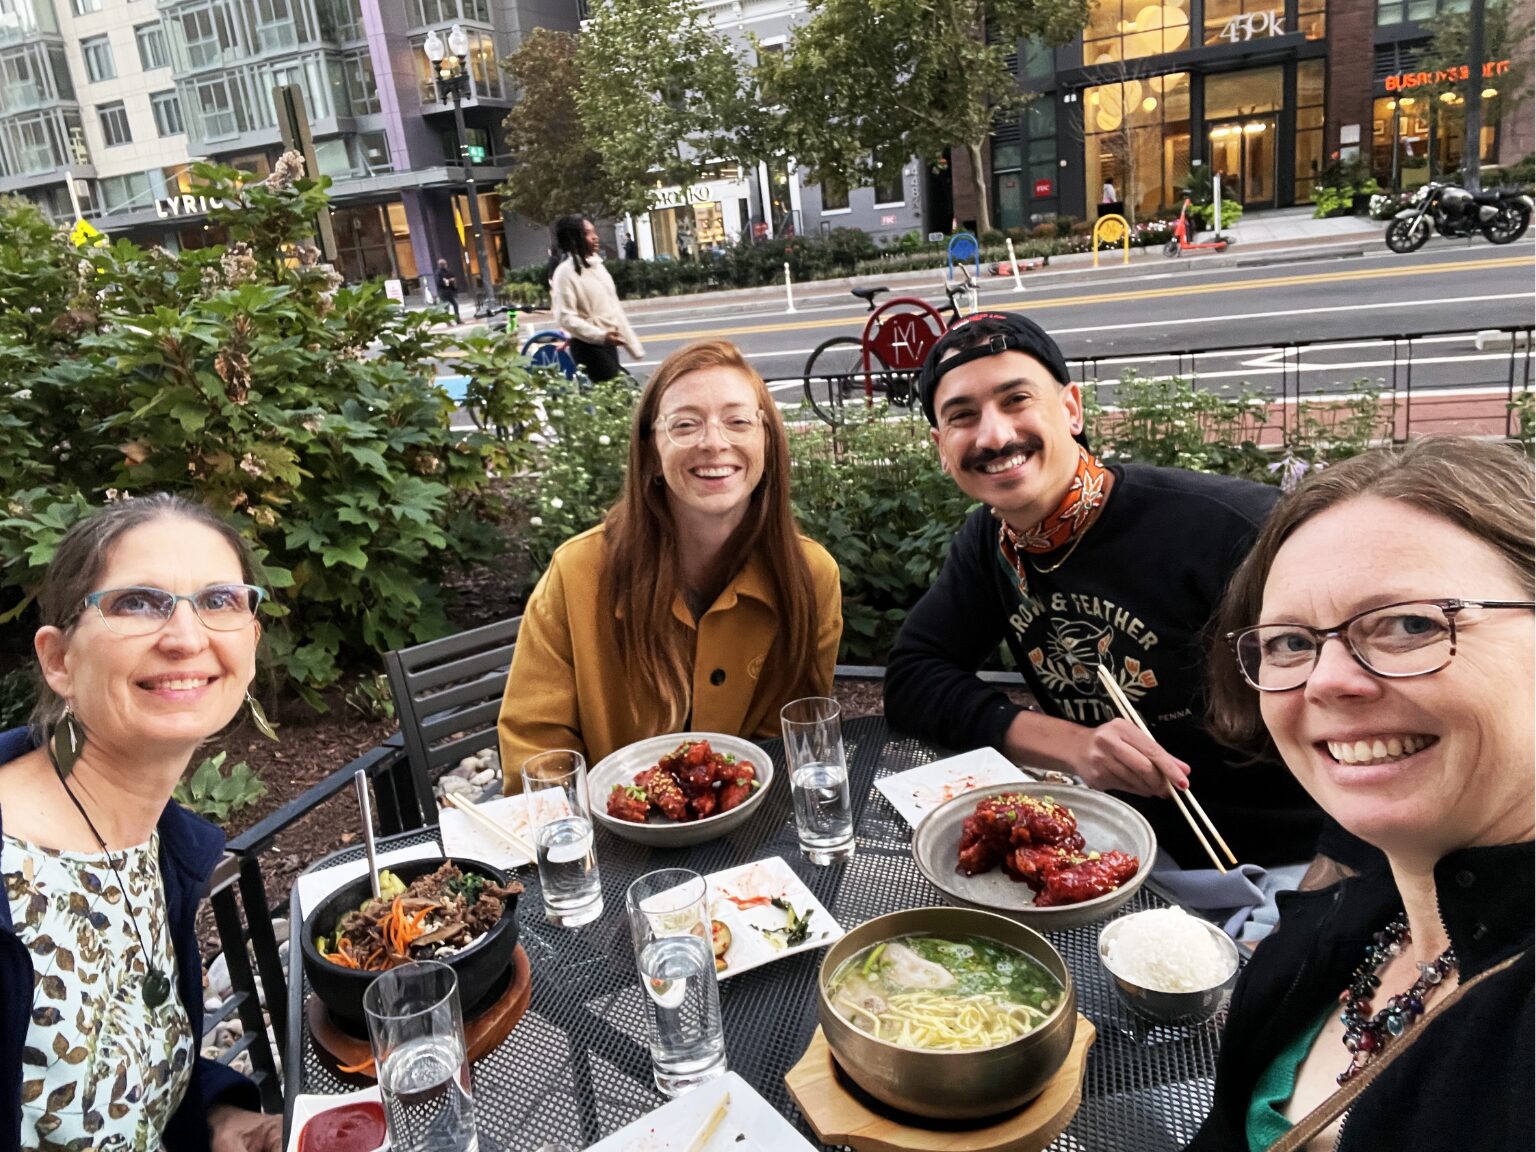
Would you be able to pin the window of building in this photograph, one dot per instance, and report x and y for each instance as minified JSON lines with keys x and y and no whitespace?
{"x":834,"y":194}
{"x":20,"y":85}
{"x":1038,"y":63}
{"x":114,"y":124}
{"x":340,"y":19}
{"x":1136,"y":137}
{"x":1244,"y":93}
{"x":275,"y":26}
{"x":362,"y":91}
{"x":28,"y":145}
{"x":167,"y":109}
{"x":1401,"y":11}
{"x":1312,"y":18}
{"x":84,"y":7}
{"x":63,"y":85}
{"x":151,"y":40}
{"x":484,"y":70}
{"x":1311,"y":79}
{"x":215,"y":110}
{"x":1131,"y":29}
{"x":476,"y":10}
{"x":207,"y":34}
{"x":887,"y":181}
{"x":97,"y":52}
{"x":426,"y":79}
{"x":375,"y":147}
{"x":124,"y":192}
{"x":431,"y":13}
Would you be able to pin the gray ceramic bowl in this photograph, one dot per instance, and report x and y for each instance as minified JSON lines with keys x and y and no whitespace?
{"x":950,"y":1085}
{"x":1171,"y":1008}
{"x":1105,"y":823}
{"x":621,"y":768}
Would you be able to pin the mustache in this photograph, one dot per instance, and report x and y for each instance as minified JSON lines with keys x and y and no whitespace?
{"x":981,"y":457}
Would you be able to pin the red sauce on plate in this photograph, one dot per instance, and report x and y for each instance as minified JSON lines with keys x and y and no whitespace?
{"x":350,"y":1128}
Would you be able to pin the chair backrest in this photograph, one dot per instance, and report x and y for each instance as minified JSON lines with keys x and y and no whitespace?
{"x":447,"y":696}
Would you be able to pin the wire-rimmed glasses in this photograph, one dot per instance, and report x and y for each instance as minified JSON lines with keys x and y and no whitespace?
{"x":686,"y":428}
{"x":1394,"y":641}
{"x":140,"y":609}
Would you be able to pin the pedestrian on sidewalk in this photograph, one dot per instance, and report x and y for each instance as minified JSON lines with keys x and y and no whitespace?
{"x":448,"y":289}
{"x":585,"y":302}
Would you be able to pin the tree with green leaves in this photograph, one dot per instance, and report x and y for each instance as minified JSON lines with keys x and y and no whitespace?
{"x":660,"y":92}
{"x":866,"y":81}
{"x":556,"y":170}
{"x":1506,"y":31}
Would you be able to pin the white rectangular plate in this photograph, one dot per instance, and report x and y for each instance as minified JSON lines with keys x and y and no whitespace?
{"x":466,"y":839}
{"x":750,"y":1124}
{"x":918,"y":791}
{"x":769,"y":877}
{"x":306,"y":1106}
{"x":316,"y":886}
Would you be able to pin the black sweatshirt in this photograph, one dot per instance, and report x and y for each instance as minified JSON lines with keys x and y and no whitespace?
{"x":1136,"y":595}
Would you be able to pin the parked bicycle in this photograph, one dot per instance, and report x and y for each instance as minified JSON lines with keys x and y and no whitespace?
{"x":551,"y":349}
{"x":884,"y":359}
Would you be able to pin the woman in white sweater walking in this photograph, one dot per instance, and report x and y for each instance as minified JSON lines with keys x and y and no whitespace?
{"x":585,"y":302}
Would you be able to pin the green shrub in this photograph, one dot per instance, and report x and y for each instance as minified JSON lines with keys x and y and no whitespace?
{"x":874,"y":495}
{"x":371,"y":698}
{"x":245,"y":376}
{"x":18,"y":693}
{"x":217,"y":795}
{"x":1338,"y":186}
{"x":1524,"y":408}
{"x":1171,"y":423}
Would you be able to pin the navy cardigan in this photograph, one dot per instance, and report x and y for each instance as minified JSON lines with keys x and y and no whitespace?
{"x":189,"y":849}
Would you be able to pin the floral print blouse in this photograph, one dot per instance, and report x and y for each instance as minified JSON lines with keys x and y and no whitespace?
{"x":100,"y":1069}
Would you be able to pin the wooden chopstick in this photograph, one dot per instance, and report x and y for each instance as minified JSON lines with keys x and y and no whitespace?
{"x":1126,"y":709}
{"x":492,"y":825}
{"x":711,"y":1124}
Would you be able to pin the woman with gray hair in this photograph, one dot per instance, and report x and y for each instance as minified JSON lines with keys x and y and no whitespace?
{"x":147,"y":648}
{"x":1379,"y":636}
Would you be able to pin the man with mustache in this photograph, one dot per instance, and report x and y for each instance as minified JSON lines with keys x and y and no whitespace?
{"x":1076,"y":563}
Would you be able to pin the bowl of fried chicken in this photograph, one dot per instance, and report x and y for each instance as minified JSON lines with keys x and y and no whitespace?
{"x":685,"y":788}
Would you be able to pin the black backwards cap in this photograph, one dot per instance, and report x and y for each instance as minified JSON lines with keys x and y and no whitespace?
{"x":986,"y":334}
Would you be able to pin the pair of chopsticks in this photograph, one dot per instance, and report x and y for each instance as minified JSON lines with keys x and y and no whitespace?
{"x":1123,"y":705}
{"x":492,"y":825}
{"x":711,"y":1124}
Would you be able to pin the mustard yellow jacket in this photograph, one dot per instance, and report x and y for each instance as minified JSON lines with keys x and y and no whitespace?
{"x":568,"y":687}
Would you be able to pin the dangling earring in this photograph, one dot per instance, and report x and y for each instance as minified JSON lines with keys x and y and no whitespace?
{"x":66,"y":741}
{"x":259,"y":718}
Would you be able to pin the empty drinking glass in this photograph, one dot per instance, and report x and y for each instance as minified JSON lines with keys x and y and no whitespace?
{"x":669,"y":920}
{"x":560,"y":817}
{"x":416,"y":1029}
{"x":818,"y":778}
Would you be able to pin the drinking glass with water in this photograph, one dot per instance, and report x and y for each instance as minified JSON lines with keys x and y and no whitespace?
{"x":416,"y":1030}
{"x":560,"y":816}
{"x":669,"y":920}
{"x":818,"y":778}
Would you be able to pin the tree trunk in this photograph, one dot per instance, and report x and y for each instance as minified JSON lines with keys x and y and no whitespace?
{"x":979,"y":178}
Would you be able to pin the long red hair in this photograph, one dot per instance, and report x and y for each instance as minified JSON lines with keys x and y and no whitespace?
{"x":641,"y":570}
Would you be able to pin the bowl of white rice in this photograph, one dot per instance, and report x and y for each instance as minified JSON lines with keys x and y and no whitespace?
{"x":1168,"y":966}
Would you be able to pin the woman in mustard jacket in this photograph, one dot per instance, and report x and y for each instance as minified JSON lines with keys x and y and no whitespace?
{"x":697,"y":604}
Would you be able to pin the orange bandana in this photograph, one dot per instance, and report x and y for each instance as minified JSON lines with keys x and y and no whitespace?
{"x":1078,"y":509}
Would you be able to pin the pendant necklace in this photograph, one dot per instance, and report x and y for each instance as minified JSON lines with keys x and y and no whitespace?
{"x":1366,"y":1033}
{"x":157,"y":986}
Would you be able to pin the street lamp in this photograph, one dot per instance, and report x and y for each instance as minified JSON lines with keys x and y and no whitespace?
{"x":452,"y":80}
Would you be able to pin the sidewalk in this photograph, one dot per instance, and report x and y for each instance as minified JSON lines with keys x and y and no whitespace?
{"x":1258,"y":238}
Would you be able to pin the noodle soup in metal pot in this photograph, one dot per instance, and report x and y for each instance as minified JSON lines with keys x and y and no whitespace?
{"x":949,"y":1013}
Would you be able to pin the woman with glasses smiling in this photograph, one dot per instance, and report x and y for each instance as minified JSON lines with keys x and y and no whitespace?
{"x":1380,"y":636}
{"x":697,"y":604}
{"x":147,"y":648}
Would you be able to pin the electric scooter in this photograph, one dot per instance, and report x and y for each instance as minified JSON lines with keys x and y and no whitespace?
{"x":1181,"y":234}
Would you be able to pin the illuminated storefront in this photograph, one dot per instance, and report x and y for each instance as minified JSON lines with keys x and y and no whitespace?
{"x":1418,"y":124}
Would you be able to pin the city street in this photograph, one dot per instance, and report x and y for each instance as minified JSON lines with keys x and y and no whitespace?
{"x":1122,"y":317}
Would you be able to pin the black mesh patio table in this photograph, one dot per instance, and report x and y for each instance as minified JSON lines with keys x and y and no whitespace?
{"x":576,"y":1067}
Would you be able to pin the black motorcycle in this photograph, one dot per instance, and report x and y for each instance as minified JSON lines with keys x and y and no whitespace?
{"x":1500,"y":216}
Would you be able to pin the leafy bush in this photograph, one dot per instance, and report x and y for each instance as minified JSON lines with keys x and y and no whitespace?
{"x":1340,"y":184}
{"x":217,"y":795}
{"x":581,"y":467}
{"x":1385,"y":205}
{"x":1172,"y":423}
{"x":874,"y":495}
{"x":18,"y":693}
{"x":371,"y":698}
{"x":245,"y":376}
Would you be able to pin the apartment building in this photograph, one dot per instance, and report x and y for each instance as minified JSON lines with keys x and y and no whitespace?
{"x":122,"y":95}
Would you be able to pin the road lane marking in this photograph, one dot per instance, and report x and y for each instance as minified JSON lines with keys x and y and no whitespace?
{"x":1162,"y":293}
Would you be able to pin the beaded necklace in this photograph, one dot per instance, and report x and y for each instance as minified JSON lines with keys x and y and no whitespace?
{"x":1365,"y":1034}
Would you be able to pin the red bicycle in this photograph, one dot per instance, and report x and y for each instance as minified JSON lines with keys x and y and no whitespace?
{"x":884,"y":359}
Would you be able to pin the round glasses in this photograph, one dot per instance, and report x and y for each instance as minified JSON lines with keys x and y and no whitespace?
{"x":686,"y":429}
{"x":1394,"y":641}
{"x":141,"y":610}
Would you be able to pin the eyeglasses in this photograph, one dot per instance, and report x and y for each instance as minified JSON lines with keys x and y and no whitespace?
{"x":141,"y":610}
{"x":686,"y":429}
{"x":1394,"y":641}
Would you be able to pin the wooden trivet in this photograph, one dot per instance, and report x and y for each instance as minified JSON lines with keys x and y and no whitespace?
{"x":841,"y":1113}
{"x":341,"y":1049}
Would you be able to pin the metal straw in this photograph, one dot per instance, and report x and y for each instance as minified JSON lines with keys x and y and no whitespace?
{"x":360,"y":778}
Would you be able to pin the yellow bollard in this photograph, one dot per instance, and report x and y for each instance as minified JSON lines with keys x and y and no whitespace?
{"x":1110,"y":229}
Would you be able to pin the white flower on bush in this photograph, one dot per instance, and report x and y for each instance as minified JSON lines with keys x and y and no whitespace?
{"x":23,"y":394}
{"x":536,"y":521}
{"x":605,"y":440}
{"x":556,"y":503}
